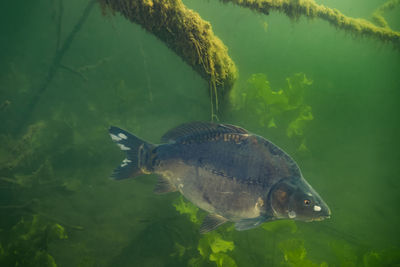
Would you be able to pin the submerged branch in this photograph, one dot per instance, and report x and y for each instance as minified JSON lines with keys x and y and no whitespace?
{"x":377,"y":16}
{"x":72,"y":70}
{"x":55,"y":65}
{"x":187,"y":34}
{"x":297,"y":8}
{"x":59,"y":23}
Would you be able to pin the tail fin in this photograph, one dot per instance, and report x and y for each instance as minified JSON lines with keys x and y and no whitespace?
{"x":135,"y":148}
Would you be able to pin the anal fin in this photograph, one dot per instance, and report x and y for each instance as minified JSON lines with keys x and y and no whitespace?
{"x":211,"y":222}
{"x":246,"y":224}
{"x":163,"y":186}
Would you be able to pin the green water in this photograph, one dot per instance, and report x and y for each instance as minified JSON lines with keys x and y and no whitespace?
{"x":57,"y":205}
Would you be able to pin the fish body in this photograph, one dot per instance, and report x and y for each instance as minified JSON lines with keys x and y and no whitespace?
{"x":223,"y":169}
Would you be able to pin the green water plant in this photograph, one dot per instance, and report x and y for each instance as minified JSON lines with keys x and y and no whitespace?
{"x":214,"y":248}
{"x":211,"y":246}
{"x":28,"y":242}
{"x":378,"y":14}
{"x":295,"y":254}
{"x":294,"y":9}
{"x":348,"y":255}
{"x":187,"y":34}
{"x":192,"y":38}
{"x":187,"y":208}
{"x":387,"y":257}
{"x":284,"y":109}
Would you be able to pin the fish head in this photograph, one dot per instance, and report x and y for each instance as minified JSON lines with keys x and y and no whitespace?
{"x":294,"y":198}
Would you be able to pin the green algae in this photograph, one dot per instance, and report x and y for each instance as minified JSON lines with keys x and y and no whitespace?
{"x":28,"y":243}
{"x":60,"y":164}
{"x":185,"y":207}
{"x":214,"y":248}
{"x":310,"y":9}
{"x":285,"y":108}
{"x":295,"y":254}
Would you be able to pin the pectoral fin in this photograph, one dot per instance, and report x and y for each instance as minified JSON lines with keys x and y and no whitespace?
{"x":211,"y":222}
{"x":164,"y":186}
{"x":246,"y":224}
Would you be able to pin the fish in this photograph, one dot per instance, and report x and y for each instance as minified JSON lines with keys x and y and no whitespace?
{"x":232,"y":174}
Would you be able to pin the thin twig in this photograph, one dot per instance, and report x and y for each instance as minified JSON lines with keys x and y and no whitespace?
{"x":8,"y":180}
{"x":27,"y":113}
{"x":74,"y":71}
{"x":59,"y":23}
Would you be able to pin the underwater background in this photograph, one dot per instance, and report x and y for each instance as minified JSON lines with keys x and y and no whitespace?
{"x":328,"y":98}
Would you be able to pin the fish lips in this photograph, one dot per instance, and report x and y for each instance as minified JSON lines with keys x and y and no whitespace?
{"x":322,"y":212}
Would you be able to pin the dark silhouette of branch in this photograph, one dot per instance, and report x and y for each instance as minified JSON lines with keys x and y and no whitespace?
{"x":27,"y":112}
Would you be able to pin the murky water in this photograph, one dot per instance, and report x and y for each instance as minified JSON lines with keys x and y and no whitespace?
{"x":337,"y":115}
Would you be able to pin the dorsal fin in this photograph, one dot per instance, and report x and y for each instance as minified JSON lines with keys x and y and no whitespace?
{"x":196,"y":129}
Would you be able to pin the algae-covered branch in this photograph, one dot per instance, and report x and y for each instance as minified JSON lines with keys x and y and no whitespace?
{"x":192,"y":38}
{"x":297,"y":8}
{"x":186,"y":33}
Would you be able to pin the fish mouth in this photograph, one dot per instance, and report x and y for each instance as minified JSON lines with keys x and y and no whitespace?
{"x":318,"y":219}
{"x":325,"y":214}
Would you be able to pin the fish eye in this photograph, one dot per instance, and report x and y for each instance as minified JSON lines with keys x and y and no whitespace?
{"x":307,"y":202}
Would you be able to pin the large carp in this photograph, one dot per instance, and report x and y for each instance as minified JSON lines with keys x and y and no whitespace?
{"x":223,"y":169}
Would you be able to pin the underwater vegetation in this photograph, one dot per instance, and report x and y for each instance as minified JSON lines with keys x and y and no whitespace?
{"x":285,"y":109}
{"x":56,"y":205}
{"x":192,"y":38}
{"x":378,"y":15}
{"x":29,"y":176}
{"x":310,"y":9}
{"x":188,"y":35}
{"x":212,"y":247}
{"x":218,"y":246}
{"x":28,"y":241}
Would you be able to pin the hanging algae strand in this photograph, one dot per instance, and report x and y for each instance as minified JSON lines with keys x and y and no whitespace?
{"x":187,"y":34}
{"x":297,"y":8}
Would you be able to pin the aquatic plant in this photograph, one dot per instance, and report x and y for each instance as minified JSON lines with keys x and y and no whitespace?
{"x":28,"y":174}
{"x":387,"y":257}
{"x":192,"y":38}
{"x":187,"y":34}
{"x":378,"y":15}
{"x":214,"y":248}
{"x":345,"y":253}
{"x":185,"y":207}
{"x":28,"y":241}
{"x":311,"y":10}
{"x":211,"y":246}
{"x":295,"y":254}
{"x":283,"y":109}
{"x":35,"y":146}
{"x":348,"y":255}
